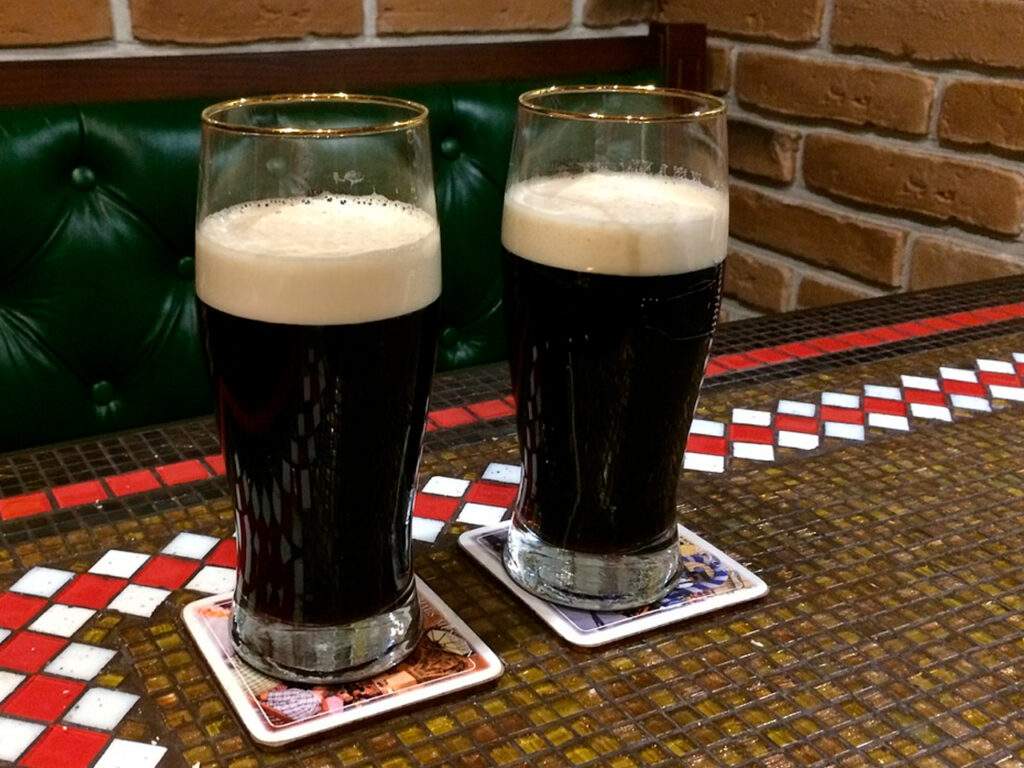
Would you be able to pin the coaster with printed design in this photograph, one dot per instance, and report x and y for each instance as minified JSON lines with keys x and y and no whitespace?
{"x":449,"y":658}
{"x":711,"y":580}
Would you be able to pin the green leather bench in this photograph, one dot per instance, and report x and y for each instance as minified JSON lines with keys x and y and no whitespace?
{"x":98,"y":326}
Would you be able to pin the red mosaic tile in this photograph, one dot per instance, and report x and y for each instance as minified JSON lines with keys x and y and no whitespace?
{"x":859,"y":339}
{"x":79,"y":493}
{"x":29,"y":651}
{"x":954,"y":387}
{"x":224,"y":554}
{"x":132,"y":482}
{"x":216,"y":463}
{"x":717,"y":446}
{"x":886,"y":333}
{"x":770,"y":355}
{"x":841,"y":415}
{"x":913,"y":329}
{"x":42,"y":697}
{"x":435,"y":507}
{"x":166,"y":572}
{"x":491,"y":409}
{"x":736,"y":362}
{"x":183,"y":472}
{"x":714,"y":369}
{"x":495,"y":494}
{"x":748,"y":433}
{"x":430,"y":426}
{"x":940,"y":323}
{"x":993,"y":378}
{"x":829,"y":343}
{"x":791,"y":423}
{"x":65,"y":746}
{"x":90,"y":591}
{"x":452,"y":417}
{"x":1000,"y":313}
{"x":17,"y":610}
{"x":800,"y":349}
{"x":24,"y":505}
{"x":968,"y":318}
{"x":881,"y":405}
{"x":924,"y":396}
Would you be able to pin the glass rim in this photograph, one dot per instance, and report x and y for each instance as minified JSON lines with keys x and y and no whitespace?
{"x":210,"y":115}
{"x":713,"y":106}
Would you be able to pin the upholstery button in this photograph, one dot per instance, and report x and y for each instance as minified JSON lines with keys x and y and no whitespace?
{"x":83,"y":178}
{"x":450,"y":337}
{"x":186,"y":267}
{"x":451,"y":148}
{"x":102,"y":392}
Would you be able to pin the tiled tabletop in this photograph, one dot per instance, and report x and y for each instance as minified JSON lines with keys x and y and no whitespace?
{"x":866,"y":461}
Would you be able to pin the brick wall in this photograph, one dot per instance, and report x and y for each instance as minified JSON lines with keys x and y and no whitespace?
{"x":875,"y":146}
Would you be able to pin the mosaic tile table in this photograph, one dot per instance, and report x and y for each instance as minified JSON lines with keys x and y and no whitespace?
{"x":866,"y":461}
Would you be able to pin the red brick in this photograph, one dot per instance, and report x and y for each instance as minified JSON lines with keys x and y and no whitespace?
{"x":940,"y":186}
{"x":52,"y":22}
{"x":937,"y":261}
{"x":983,"y":112}
{"x":850,"y":93}
{"x":987,"y":32}
{"x":238,"y":21}
{"x":815,"y":291}
{"x":817,"y":235}
{"x":758,"y":281}
{"x":410,"y":17}
{"x":762,"y":150}
{"x":793,"y":21}
{"x":611,"y":13}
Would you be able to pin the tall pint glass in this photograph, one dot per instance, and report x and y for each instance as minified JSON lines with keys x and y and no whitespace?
{"x":614,"y":236}
{"x":318,"y":273}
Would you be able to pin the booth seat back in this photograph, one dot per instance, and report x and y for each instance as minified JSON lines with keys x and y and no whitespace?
{"x":98,"y":323}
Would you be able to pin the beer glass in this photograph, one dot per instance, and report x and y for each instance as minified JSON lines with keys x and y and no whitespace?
{"x":614,"y":235}
{"x":318,"y":274}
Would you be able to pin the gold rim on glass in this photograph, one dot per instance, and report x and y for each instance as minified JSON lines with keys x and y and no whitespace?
{"x":705,"y":105}
{"x":211,"y":115}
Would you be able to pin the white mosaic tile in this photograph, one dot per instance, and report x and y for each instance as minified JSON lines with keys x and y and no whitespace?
{"x":929,"y":411}
{"x":119,"y":563}
{"x":753,"y":451}
{"x":213,"y":580}
{"x":750,"y":416}
{"x":706,"y":427}
{"x":796,"y":408}
{"x":130,"y":754}
{"x":80,"y":661}
{"x":920,"y":382}
{"x":16,"y":735}
{"x":42,"y":582}
{"x":1001,"y":392}
{"x":958,"y":374}
{"x":970,"y":403}
{"x":995,"y":366}
{"x":63,"y":620}
{"x":138,"y":600}
{"x":190,"y":545}
{"x":882,"y":393}
{"x":703,"y":462}
{"x":802,"y":440}
{"x":8,"y":682}
{"x":446,"y":486}
{"x":844,"y":431}
{"x":481,"y":514}
{"x":101,"y":708}
{"x":425,"y":529}
{"x":1018,"y":357}
{"x":503,"y":473}
{"x":3,"y":634}
{"x":840,"y":400}
{"x":889,"y":421}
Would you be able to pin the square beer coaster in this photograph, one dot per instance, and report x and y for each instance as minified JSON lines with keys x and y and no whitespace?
{"x":449,"y":658}
{"x":711,"y":580}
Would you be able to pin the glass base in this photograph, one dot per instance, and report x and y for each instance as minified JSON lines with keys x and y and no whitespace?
{"x":329,"y":654}
{"x":586,"y":580}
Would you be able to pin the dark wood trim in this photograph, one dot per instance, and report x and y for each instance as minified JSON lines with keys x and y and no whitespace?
{"x":222,"y":75}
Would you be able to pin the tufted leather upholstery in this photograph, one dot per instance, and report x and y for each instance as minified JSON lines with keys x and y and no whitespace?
{"x":98,"y":328}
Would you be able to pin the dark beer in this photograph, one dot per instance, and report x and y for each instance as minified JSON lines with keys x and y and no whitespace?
{"x":320,"y":317}
{"x":612,"y":287}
